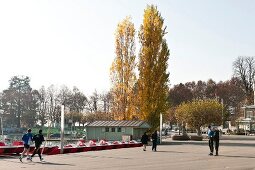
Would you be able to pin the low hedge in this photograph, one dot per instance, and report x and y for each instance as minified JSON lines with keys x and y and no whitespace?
{"x":196,"y":138}
{"x":180,"y":137}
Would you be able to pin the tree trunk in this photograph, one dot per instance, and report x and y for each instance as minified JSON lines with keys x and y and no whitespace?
{"x":198,"y":131}
{"x":183,"y":130}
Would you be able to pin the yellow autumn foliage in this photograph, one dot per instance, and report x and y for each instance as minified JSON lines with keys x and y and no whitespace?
{"x":153,"y":77}
{"x":122,"y":71}
{"x":199,"y":113}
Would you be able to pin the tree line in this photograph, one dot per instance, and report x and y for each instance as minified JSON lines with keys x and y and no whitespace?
{"x":23,"y":106}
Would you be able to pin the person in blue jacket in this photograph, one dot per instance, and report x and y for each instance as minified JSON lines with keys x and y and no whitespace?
{"x":27,"y":140}
{"x":210,"y":137}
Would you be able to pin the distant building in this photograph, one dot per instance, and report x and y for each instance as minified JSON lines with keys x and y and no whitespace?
{"x":116,"y":130}
{"x":247,"y":123}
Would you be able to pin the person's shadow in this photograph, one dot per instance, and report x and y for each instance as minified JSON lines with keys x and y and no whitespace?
{"x":51,"y":163}
{"x":237,"y":156}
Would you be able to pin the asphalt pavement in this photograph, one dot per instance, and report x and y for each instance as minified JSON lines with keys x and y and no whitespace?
{"x":236,"y":153}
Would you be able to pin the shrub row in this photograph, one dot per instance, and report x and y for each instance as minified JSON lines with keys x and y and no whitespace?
{"x":186,"y":137}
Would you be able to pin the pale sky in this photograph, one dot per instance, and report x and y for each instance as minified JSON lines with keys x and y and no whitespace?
{"x":71,"y":42}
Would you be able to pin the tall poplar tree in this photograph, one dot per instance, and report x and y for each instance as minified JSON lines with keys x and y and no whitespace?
{"x":123,"y":71}
{"x":153,"y":75}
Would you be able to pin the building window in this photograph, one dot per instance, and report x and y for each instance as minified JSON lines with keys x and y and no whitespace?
{"x":113,"y":129}
{"x":106,"y":129}
{"x":119,"y":129}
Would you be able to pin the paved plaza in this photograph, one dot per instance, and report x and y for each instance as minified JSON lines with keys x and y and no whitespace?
{"x":235,"y":154}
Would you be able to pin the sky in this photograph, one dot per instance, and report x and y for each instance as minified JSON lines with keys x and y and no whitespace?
{"x":72,"y":42}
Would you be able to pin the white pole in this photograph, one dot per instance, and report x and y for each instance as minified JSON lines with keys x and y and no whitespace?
{"x":160,"y":127}
{"x":2,"y":129}
{"x":222,"y":113}
{"x":254,"y":92}
{"x":62,"y":129}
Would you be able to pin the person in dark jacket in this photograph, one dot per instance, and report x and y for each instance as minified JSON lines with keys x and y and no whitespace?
{"x":154,"y":138}
{"x":210,"y":141}
{"x":38,"y":139}
{"x":27,"y":140}
{"x":144,"y":140}
{"x":216,"y":139}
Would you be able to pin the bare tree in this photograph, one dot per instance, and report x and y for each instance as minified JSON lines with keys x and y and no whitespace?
{"x":53,"y":105}
{"x":244,"y":69}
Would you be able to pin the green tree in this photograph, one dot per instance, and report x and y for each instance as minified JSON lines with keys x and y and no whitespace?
{"x":199,"y":113}
{"x":153,"y":77}
{"x":19,"y":102}
{"x":76,"y":103}
{"x":123,"y":71}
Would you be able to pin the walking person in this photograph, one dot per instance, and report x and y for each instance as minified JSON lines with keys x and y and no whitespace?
{"x":210,"y":137}
{"x":38,"y":139}
{"x":216,"y":139}
{"x":144,"y":140}
{"x":154,"y":138}
{"x":27,"y":140}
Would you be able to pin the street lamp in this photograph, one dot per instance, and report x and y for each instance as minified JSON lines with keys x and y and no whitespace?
{"x":222,"y":113}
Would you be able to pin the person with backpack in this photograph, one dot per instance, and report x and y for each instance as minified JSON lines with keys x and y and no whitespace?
{"x":144,"y":141}
{"x":27,"y":141}
{"x":38,"y":139}
{"x":154,"y":138}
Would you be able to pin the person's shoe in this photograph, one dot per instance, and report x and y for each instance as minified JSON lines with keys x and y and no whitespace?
{"x":210,"y":154}
{"x":20,"y":159}
{"x":144,"y":150}
{"x":41,"y":159}
{"x":29,"y":158}
{"x":216,"y":154}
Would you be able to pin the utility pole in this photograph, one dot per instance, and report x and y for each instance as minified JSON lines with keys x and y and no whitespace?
{"x":222,"y":113}
{"x":62,"y":129}
{"x":160,"y":127}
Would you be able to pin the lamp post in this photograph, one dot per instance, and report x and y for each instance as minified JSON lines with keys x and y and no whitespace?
{"x":222,"y":113}
{"x":160,"y":127}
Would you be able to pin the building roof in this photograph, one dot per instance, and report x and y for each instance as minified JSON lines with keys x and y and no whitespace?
{"x":116,"y":123}
{"x":249,"y":107}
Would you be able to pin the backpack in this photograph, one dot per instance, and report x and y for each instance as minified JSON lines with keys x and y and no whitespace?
{"x":36,"y":138}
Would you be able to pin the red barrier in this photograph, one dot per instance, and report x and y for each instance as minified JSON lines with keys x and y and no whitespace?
{"x":54,"y":151}
{"x":17,"y":143}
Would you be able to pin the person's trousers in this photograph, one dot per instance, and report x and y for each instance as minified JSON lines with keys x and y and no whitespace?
{"x":211,"y":144}
{"x":154,"y":145}
{"x":37,"y":151}
{"x":144,"y":146}
{"x":216,"y":145}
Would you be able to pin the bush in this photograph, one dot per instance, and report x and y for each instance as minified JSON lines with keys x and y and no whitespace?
{"x":196,"y":138}
{"x":180,"y":137}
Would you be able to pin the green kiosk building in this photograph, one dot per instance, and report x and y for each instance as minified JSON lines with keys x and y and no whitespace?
{"x":121,"y":130}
